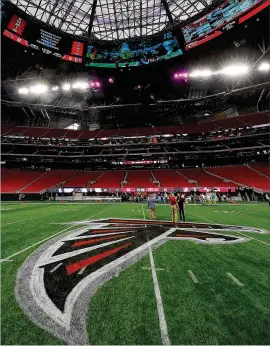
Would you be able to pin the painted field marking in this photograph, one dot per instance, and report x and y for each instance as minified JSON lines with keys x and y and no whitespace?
{"x":244,"y":234}
{"x":254,"y":238}
{"x":35,"y":217}
{"x":149,"y":268}
{"x":41,"y":241}
{"x":160,"y":309}
{"x":56,"y":267}
{"x":254,"y":216}
{"x":234,"y":279}
{"x":203,"y":218}
{"x":193,"y":277}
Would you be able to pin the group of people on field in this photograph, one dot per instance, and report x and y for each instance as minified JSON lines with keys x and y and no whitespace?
{"x":177,"y":203}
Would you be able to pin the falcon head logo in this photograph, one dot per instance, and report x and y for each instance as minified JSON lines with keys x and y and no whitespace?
{"x":55,"y":283}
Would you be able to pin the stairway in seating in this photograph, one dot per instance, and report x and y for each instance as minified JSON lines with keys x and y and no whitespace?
{"x":155,"y":180}
{"x":60,"y":183}
{"x":89,"y":183}
{"x":188,"y":180}
{"x":255,"y":170}
{"x":124,"y":181}
{"x":30,"y":182}
{"x":223,"y":178}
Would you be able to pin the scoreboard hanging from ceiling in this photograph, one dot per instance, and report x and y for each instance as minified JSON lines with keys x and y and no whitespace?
{"x":51,"y":42}
{"x":33,"y":36}
{"x":221,"y":19}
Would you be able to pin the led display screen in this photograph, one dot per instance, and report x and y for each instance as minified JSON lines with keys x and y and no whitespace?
{"x":211,"y":25}
{"x":216,"y":19}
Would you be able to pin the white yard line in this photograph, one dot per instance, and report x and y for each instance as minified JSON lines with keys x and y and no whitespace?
{"x":253,"y":216}
{"x":101,"y":212}
{"x":248,"y":236}
{"x":160,"y":309}
{"x":41,"y":241}
{"x":234,"y":279}
{"x":193,"y":277}
{"x":143,"y":212}
{"x":244,"y":234}
{"x":203,"y":218}
{"x":36,"y":217}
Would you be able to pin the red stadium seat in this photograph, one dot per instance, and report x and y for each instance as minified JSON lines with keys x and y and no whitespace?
{"x":138,"y":179}
{"x":203,"y":179}
{"x":110,"y":179}
{"x":242,"y":175}
{"x":48,"y":180}
{"x":170,"y":178}
{"x":83,"y":179}
{"x":16,"y":180}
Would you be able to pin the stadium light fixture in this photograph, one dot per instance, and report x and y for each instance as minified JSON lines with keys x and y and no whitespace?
{"x":201,"y":73}
{"x":39,"y":89}
{"x":264,"y":66}
{"x":235,"y":70}
{"x":80,"y":85}
{"x":66,"y":86}
{"x":23,"y":91}
{"x":55,"y":88}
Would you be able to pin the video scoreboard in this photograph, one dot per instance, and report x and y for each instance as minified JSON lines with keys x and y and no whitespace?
{"x":51,"y":42}
{"x":214,"y":23}
{"x":33,"y":36}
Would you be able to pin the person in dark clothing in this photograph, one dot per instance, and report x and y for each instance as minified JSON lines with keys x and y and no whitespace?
{"x":181,"y":201}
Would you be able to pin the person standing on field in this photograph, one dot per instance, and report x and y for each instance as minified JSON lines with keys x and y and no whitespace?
{"x":173,"y":204}
{"x":213,"y":197}
{"x":151,"y":202}
{"x":181,"y":201}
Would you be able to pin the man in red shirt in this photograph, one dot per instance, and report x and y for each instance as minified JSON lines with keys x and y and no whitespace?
{"x":173,"y":203}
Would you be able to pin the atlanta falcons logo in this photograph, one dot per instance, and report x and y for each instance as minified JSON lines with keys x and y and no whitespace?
{"x":56,"y":283}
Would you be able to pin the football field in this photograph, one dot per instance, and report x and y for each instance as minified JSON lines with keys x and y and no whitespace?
{"x":189,"y":288}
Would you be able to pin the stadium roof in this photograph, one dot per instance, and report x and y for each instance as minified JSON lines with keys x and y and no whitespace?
{"x":112,"y":19}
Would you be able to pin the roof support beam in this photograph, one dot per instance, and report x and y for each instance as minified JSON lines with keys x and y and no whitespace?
{"x":66,"y":14}
{"x":141,"y":18}
{"x":92,"y":16}
{"x":167,"y":10}
{"x":204,"y":2}
{"x":115,"y":16}
{"x":52,"y":11}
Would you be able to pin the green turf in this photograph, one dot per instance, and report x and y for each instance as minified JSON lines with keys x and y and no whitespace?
{"x":123,"y":311}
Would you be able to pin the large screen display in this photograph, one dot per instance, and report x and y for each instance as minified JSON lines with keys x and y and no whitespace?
{"x":195,"y":33}
{"x":133,"y":56}
{"x":33,"y":36}
{"x":213,"y":24}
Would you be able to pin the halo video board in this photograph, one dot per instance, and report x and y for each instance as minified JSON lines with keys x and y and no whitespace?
{"x":217,"y":21}
{"x":48,"y":42}
{"x":62,"y":46}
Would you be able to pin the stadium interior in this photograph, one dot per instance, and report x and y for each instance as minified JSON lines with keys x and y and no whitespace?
{"x":116,"y":117}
